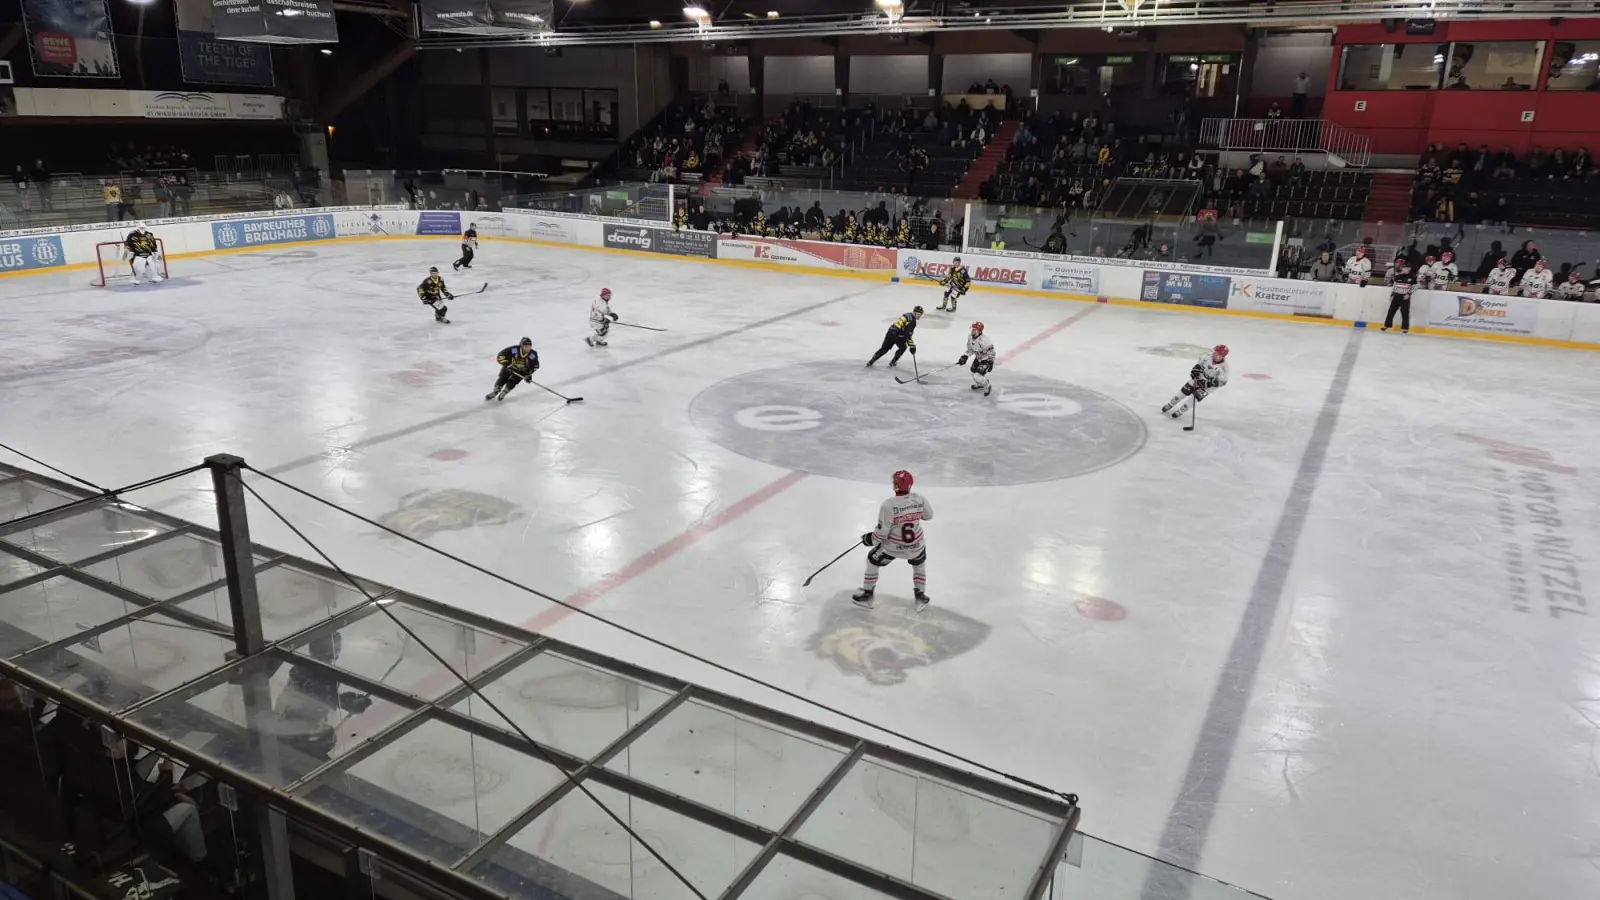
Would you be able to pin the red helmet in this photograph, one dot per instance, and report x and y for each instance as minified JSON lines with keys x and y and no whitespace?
{"x":1539,"y":264}
{"x":605,"y":293}
{"x":1501,"y":261}
{"x":977,"y":327}
{"x":902,"y":481}
{"x":1427,"y":259}
{"x":1220,"y":350}
{"x":1448,"y":255}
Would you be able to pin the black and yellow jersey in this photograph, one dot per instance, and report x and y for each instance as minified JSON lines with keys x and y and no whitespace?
{"x":470,"y":236}
{"x":906,"y":325}
{"x":958,"y":277}
{"x":519,"y":362}
{"x":431,"y":288}
{"x":141,"y":243}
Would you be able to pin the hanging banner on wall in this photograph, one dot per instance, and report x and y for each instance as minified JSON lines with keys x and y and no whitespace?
{"x":486,"y":16}
{"x":71,"y":38}
{"x":207,"y":60}
{"x":275,"y":21}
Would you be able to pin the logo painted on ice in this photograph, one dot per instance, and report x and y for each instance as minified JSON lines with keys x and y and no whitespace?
{"x":884,"y":647}
{"x":778,"y":418}
{"x":422,"y":513}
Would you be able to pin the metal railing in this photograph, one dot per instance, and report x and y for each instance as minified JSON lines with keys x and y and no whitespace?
{"x":1289,"y":136}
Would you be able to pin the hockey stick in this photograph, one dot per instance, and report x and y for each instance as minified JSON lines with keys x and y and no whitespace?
{"x":914,"y":370}
{"x":557,"y":393}
{"x":807,"y":582}
{"x":899,"y":380}
{"x":1194,"y":412}
{"x":631,"y":325}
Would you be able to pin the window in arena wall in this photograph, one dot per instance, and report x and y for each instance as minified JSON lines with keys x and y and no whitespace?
{"x":538,"y":104}
{"x":1494,"y":66}
{"x":1574,"y":66}
{"x":1392,"y":67}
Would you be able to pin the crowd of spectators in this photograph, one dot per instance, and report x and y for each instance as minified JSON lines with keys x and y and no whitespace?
{"x":687,"y":138}
{"x":884,"y":220}
{"x":1477,"y":187}
{"x":136,"y":161}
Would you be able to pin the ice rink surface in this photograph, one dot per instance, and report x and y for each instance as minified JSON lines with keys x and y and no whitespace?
{"x":1338,"y":642}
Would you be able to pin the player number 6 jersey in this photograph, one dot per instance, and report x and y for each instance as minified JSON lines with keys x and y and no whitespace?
{"x":900,"y":518}
{"x":980,"y":348}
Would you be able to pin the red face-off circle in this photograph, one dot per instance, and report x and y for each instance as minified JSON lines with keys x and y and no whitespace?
{"x":448,"y":455}
{"x":1099,"y":609}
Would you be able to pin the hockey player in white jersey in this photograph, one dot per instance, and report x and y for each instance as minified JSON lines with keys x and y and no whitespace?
{"x":1210,"y":373}
{"x":1358,"y":268}
{"x":600,"y":319}
{"x":1445,"y":272}
{"x":1500,"y":279}
{"x":1572,"y":288}
{"x":981,"y":351}
{"x":1422,"y":278}
{"x":898,"y":536}
{"x":1536,"y":281}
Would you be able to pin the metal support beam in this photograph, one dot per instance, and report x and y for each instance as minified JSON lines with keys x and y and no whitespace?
{"x":244,"y":604}
{"x":792,"y":827}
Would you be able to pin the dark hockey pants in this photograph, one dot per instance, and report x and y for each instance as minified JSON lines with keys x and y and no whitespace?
{"x":438,"y":309}
{"x":508,"y":379}
{"x":466,"y":256}
{"x":896,"y":339}
{"x":1401,"y":302}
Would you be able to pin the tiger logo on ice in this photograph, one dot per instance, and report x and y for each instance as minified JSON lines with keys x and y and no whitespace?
{"x":421,"y":514}
{"x":884,"y":646}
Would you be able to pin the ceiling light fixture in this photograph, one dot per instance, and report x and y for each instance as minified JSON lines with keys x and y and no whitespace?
{"x":655,"y":23}
{"x":894,"y":9}
{"x":772,"y":14}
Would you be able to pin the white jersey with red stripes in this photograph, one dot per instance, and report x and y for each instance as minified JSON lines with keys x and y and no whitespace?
{"x":900,"y":518}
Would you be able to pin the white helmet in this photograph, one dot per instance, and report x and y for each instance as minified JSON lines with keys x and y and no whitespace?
{"x":138,"y":227}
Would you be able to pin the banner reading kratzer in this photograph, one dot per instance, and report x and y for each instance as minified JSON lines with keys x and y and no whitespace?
{"x":1481,"y":312}
{"x":71,"y":38}
{"x":275,"y":21}
{"x":207,"y":60}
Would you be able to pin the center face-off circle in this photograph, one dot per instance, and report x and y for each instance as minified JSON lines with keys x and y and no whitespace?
{"x":841,"y":420}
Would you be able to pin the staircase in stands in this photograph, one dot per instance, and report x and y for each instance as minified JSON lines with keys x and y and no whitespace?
{"x":748,"y":148}
{"x":988,"y":161}
{"x":1389,"y":199}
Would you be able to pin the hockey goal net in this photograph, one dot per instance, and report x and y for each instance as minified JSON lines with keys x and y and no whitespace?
{"x":115,"y":269}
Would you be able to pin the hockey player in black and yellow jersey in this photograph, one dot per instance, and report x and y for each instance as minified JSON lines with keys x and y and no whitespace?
{"x":900,"y":337}
{"x":517,"y":362}
{"x":140,"y":248}
{"x":902,"y":235}
{"x":955,"y":283}
{"x":432,"y":290}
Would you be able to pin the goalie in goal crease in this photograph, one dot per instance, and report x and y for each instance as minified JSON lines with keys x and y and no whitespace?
{"x":142,"y":250}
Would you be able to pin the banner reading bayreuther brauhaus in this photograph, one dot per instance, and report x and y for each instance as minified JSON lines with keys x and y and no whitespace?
{"x":486,"y":16}
{"x":275,"y":21}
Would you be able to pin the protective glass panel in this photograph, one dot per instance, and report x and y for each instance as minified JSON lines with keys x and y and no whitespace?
{"x":1391,"y":67}
{"x":576,"y":835}
{"x":166,"y":569}
{"x":52,"y":610}
{"x":293,"y":600}
{"x":376,"y":647}
{"x":136,"y":660}
{"x":15,"y":568}
{"x":436,"y":789}
{"x":1574,"y":66}
{"x":273,"y":720}
{"x":1494,"y":66}
{"x":24,"y":498}
{"x":930,"y":833}
{"x":1106,"y":871}
{"x":86,"y":534}
{"x":565,"y":704}
{"x":785,"y":878}
{"x":726,"y":761}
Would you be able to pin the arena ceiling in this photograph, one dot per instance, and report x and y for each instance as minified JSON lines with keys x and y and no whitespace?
{"x":665,"y":21}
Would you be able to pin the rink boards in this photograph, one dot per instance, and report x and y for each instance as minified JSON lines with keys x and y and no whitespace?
{"x":1209,"y":289}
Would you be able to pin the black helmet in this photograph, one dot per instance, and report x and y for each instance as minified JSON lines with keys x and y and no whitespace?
{"x":525,"y":342}
{"x":917,"y":309}
{"x":433,"y":270}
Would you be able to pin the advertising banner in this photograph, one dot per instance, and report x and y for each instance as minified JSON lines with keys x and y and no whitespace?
{"x":486,"y":16}
{"x":935,"y":265}
{"x":71,"y":38}
{"x":206,"y":60}
{"x":277,"y":230}
{"x":275,"y":21}
{"x":647,"y":239}
{"x":1281,"y":295}
{"x":1069,"y":278}
{"x":495,"y":225}
{"x":37,"y":252}
{"x":431,"y":222}
{"x":1186,"y":289}
{"x":1481,"y":312}
{"x":815,"y":254}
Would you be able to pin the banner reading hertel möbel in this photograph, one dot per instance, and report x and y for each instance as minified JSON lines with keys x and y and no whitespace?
{"x":486,"y":16}
{"x":275,"y":21}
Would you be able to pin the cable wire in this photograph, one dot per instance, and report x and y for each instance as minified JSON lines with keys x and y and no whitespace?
{"x":64,"y":474}
{"x":743,"y":676}
{"x":104,"y":494}
{"x":383,"y":608}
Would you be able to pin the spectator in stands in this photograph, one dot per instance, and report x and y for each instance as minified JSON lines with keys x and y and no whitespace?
{"x":1444,"y":209}
{"x":1560,"y":166}
{"x":1582,"y":167}
{"x":20,"y":179}
{"x":163,"y":198}
{"x":989,"y":87}
{"x":1505,"y":163}
{"x":1324,"y":268}
{"x":1524,"y":259}
{"x":1470,"y":211}
{"x":1210,"y":231}
{"x":1490,"y":261}
{"x":1278,"y":171}
{"x":1297,"y":100}
{"x":113,"y":200}
{"x":1499,"y":213}
{"x":40,"y":176}
{"x":1480,"y":165}
{"x":1297,"y":172}
{"x":1535,"y":163}
{"x":1274,"y":111}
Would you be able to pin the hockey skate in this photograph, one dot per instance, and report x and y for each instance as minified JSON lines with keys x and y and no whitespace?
{"x":894,"y":363}
{"x":922,"y":601}
{"x":977,"y":387}
{"x":1170,"y":404}
{"x":862,"y":598}
{"x":491,"y":395}
{"x":987,"y":388}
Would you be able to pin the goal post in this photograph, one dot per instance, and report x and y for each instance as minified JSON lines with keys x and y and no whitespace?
{"x":112,"y":268}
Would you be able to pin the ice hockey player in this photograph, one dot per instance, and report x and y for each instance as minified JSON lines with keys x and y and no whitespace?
{"x":518,"y":362}
{"x":142,"y":251}
{"x":898,"y":536}
{"x":955,"y":283}
{"x":1445,"y":272}
{"x":1500,"y":279}
{"x":432,"y":290}
{"x":1210,"y":373}
{"x":1422,"y":277}
{"x":469,"y":247}
{"x":1358,"y":268}
{"x":600,"y":319}
{"x":899,"y":336}
{"x":1536,"y":281}
{"x":1402,"y":280}
{"x":1572,"y":288}
{"x":981,"y":351}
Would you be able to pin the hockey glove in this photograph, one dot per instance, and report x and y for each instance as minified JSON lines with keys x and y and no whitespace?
{"x":527,"y":379}
{"x":962,"y":361}
{"x":912,"y":348}
{"x":449,"y":296}
{"x":1200,"y":393}
{"x":866,"y":539}
{"x":1195,"y":373}
{"x":615,"y":317}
